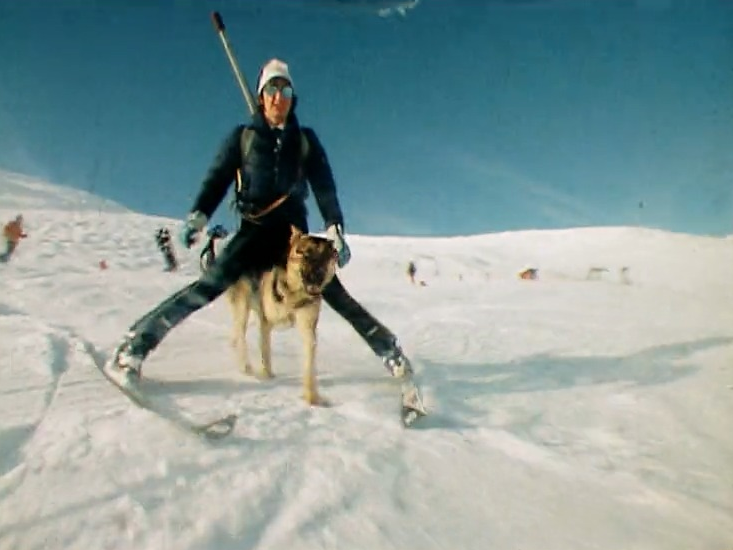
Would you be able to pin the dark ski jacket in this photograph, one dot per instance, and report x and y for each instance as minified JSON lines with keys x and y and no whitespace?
{"x":273,"y":167}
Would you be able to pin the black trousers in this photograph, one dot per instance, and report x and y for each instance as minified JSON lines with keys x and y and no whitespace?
{"x":10,"y":247}
{"x":252,"y":250}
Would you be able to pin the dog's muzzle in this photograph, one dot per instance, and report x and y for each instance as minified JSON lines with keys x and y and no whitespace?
{"x":313,"y":279}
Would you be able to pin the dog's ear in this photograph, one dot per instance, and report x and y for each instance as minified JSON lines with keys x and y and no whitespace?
{"x":295,"y":234}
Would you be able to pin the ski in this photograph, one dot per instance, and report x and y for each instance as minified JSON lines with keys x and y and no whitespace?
{"x":412,"y":404}
{"x":131,"y":388}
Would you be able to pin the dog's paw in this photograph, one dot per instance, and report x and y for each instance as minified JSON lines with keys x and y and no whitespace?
{"x":247,"y":369}
{"x":265,"y":374}
{"x":316,"y":400}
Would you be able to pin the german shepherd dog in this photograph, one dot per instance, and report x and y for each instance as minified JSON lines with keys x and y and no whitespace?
{"x":285,"y":296}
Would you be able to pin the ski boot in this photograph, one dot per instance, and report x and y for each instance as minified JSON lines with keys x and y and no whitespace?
{"x":125,"y":365}
{"x":397,"y":363}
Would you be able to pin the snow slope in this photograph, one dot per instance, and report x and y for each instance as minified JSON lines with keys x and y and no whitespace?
{"x":567,"y":413}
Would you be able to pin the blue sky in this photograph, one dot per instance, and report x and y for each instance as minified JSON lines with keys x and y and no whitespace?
{"x":463,"y":117}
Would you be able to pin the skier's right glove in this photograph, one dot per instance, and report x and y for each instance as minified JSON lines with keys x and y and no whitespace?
{"x":190,"y":231}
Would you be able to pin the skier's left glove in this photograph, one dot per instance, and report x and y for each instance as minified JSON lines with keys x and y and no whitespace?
{"x":335,"y":233}
{"x":190,"y":231}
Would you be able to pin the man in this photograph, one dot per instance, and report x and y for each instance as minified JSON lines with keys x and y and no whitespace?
{"x":271,"y":191}
{"x":12,"y":233}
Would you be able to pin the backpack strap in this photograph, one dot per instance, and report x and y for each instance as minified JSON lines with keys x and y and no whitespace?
{"x":305,"y":147}
{"x":248,"y":136}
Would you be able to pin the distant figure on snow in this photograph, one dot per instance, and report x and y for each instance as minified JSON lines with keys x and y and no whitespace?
{"x":163,"y":239}
{"x":12,"y":233}
{"x":411,"y":271}
{"x":208,"y":254}
{"x":529,"y":274}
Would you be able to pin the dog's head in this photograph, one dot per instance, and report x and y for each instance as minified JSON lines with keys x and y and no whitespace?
{"x":311,"y":261}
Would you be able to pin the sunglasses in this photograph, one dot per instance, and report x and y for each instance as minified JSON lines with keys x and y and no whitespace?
{"x":272,"y":89}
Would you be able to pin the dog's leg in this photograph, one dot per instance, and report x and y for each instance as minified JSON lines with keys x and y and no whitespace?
{"x":242,"y":349}
{"x":306,"y":320}
{"x":266,"y":347}
{"x":240,"y":302}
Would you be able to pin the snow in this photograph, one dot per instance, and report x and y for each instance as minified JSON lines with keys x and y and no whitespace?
{"x":566,"y":413}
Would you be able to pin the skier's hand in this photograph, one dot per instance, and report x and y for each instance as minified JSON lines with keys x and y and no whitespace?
{"x":335,"y":233}
{"x":191,"y":230}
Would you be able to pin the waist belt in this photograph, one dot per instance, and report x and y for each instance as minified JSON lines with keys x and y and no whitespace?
{"x":254,"y":217}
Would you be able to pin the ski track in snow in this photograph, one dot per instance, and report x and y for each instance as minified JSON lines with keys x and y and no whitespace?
{"x":54,"y":350}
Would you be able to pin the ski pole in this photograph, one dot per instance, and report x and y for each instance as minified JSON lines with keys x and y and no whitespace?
{"x":221,"y":31}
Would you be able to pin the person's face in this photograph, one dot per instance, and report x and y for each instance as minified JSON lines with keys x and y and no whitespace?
{"x":276,"y":99}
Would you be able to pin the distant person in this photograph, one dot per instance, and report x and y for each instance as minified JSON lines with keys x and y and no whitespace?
{"x":411,"y":271}
{"x":12,"y":234}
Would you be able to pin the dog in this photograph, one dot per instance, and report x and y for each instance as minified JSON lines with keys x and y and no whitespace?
{"x":285,"y":296}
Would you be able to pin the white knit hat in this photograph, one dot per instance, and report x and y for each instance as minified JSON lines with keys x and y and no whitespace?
{"x":274,"y":68}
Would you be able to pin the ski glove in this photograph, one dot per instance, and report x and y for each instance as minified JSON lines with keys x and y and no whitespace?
{"x":335,"y":233}
{"x":190,"y":231}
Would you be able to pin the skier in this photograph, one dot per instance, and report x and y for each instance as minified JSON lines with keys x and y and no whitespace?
{"x":271,"y":176}
{"x":12,"y":233}
{"x":411,"y":271}
{"x":165,"y":245}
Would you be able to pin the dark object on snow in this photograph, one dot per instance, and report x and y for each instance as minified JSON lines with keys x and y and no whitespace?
{"x":165,"y":245}
{"x":411,"y":271}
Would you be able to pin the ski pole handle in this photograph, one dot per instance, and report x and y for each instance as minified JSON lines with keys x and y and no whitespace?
{"x":221,"y":31}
